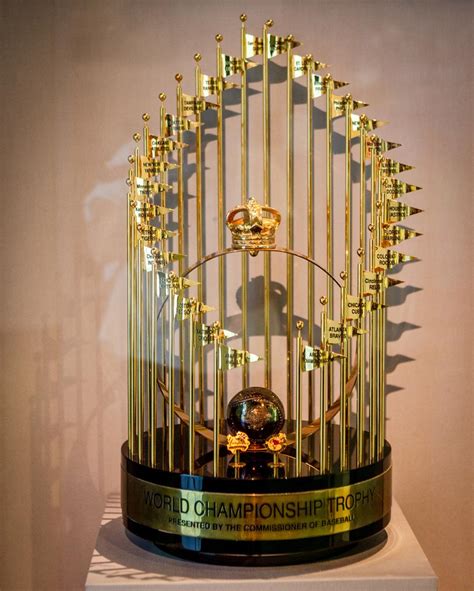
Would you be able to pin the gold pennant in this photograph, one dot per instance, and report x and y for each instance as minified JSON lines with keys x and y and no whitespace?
{"x":154,"y":166}
{"x":374,"y":283}
{"x":314,"y":357}
{"x":175,"y":124}
{"x":396,"y":211}
{"x":192,"y":105}
{"x":163,"y":258}
{"x":378,"y":145}
{"x":205,"y":334}
{"x":319,"y":85}
{"x":235,"y":65}
{"x":253,"y":45}
{"x":387,"y":259}
{"x":359,"y":122}
{"x":393,"y":235}
{"x":148,"y":235}
{"x":355,"y":307}
{"x":211,"y":85}
{"x":389,"y":167}
{"x":186,"y":307}
{"x":393,"y":188}
{"x":277,"y":45}
{"x":339,"y":105}
{"x":336,"y":332}
{"x":144,"y":188}
{"x":171,"y":281}
{"x":231,"y":358}
{"x":145,"y":211}
{"x":161,"y":145}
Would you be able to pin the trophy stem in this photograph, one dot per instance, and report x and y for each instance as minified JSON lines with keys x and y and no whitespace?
{"x":180,"y":195}
{"x":171,"y":379}
{"x":131,"y":328}
{"x":217,"y":400}
{"x":323,"y":398}
{"x":374,"y":369}
{"x":360,"y":374}
{"x":310,"y":214}
{"x":289,"y":230}
{"x":299,"y":397}
{"x":191,"y":394}
{"x":342,"y":386}
{"x":381,"y":326}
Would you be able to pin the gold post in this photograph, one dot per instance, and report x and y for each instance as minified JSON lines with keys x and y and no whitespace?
{"x":342,"y":385}
{"x":199,"y":242}
{"x":152,"y":418}
{"x":171,"y":380}
{"x":374,"y":370}
{"x":267,"y":201}
{"x":361,"y":337}
{"x":289,"y":229}
{"x":299,"y":396}
{"x":220,"y":176}
{"x":131,"y":318}
{"x":381,"y":317}
{"x":244,"y":193}
{"x":192,"y":402}
{"x":348,"y":232}
{"x":180,"y":192}
{"x":217,"y":397}
{"x":323,"y":437}
{"x":310,"y":207}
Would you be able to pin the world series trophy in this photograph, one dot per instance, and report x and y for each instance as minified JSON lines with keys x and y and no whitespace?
{"x":268,"y":471}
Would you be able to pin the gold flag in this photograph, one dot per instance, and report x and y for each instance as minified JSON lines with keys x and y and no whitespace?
{"x":393,"y":188}
{"x":378,"y":145}
{"x":231,"y":358}
{"x":319,"y":85}
{"x":211,"y":85}
{"x":153,"y":166}
{"x":396,"y":211}
{"x":144,"y":187}
{"x":337,"y":331}
{"x":186,"y":307}
{"x":161,"y":145}
{"x":148,"y":235}
{"x":393,"y":235}
{"x":163,"y":258}
{"x":314,"y":357}
{"x":339,"y":105}
{"x":253,"y":45}
{"x":192,"y":105}
{"x":355,"y":307}
{"x":363,"y":122}
{"x":171,"y":281}
{"x":144,"y":211}
{"x":173,"y":124}
{"x":277,"y":45}
{"x":205,"y":334}
{"x":389,"y":167}
{"x":234,"y":65}
{"x":387,"y":259}
{"x":375,"y":282}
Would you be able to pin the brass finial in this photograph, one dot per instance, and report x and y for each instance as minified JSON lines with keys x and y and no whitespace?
{"x":137,"y":137}
{"x":269,"y":23}
{"x":178,"y":78}
{"x":371,"y":227}
{"x":360,"y":252}
{"x":243,"y":17}
{"x":343,"y":275}
{"x":197,"y":57}
{"x":131,"y":158}
{"x":290,"y":38}
{"x":299,"y":325}
{"x":378,"y":204}
{"x":146,"y":117}
{"x":128,"y":182}
{"x":219,"y":37}
{"x":323,"y":300}
{"x":162,"y":96}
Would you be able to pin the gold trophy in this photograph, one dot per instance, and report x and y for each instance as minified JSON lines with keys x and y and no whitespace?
{"x":277,"y":469}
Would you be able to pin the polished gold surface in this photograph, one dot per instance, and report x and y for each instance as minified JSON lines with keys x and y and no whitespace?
{"x":253,"y":226}
{"x":258,"y":517}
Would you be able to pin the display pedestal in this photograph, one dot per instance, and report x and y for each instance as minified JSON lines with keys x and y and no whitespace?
{"x":395,"y":563}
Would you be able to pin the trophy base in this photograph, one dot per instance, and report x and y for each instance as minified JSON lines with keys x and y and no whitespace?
{"x":250,"y":522}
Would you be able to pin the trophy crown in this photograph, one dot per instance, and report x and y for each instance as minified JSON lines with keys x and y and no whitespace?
{"x":253,"y":226}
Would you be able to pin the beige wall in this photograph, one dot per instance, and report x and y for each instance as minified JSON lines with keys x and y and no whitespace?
{"x":77,"y":76}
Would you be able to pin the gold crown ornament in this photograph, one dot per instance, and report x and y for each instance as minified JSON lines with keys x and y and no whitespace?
{"x":253,"y":226}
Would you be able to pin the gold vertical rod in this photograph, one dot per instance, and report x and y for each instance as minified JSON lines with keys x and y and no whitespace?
{"x":323,"y":436}
{"x":373,"y":320}
{"x":310,"y":210}
{"x":244,"y":192}
{"x":171,"y":380}
{"x":140,"y":353}
{"x":381,"y":320}
{"x":289,"y":230}
{"x":361,"y":338}
{"x":217,"y":400}
{"x":130,"y":325}
{"x":342,"y":387}
{"x":299,"y":397}
{"x":348,"y":229}
{"x":199,"y":241}
{"x":152,"y":418}
{"x":267,"y":201}
{"x":191,"y":395}
{"x":220,"y":176}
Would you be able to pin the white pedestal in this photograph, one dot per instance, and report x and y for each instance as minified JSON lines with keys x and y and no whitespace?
{"x":396,"y":564}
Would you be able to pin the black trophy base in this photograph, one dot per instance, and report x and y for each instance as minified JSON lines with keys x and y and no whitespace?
{"x":257,"y":522}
